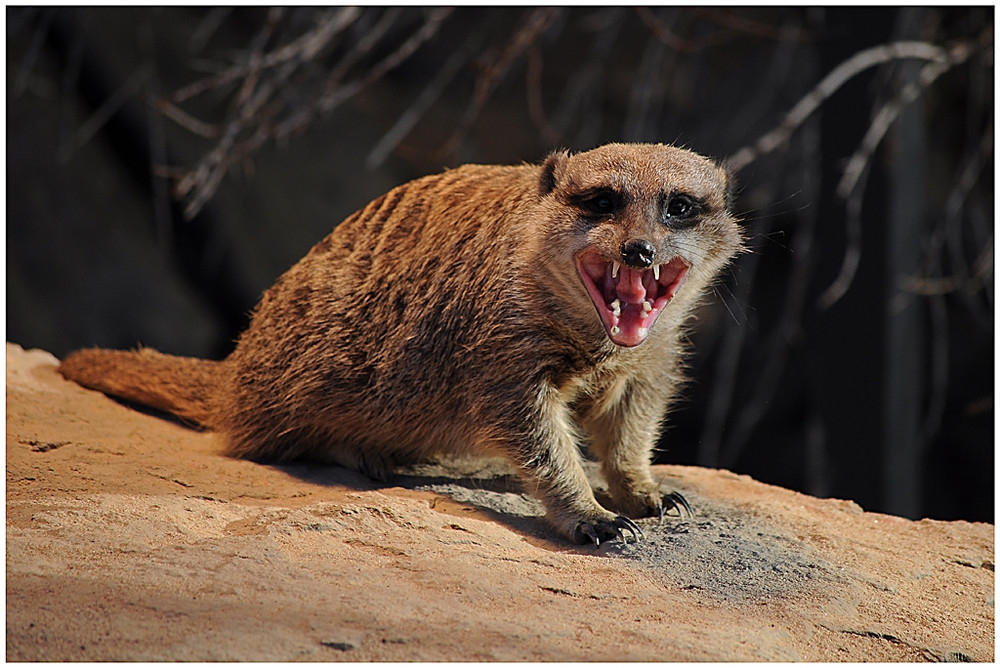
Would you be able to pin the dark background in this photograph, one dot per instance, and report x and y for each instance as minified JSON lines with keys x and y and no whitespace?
{"x":850,"y":354}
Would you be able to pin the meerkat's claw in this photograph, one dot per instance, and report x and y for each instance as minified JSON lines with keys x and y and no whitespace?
{"x":588,"y":532}
{"x":622,"y":522}
{"x":677,"y":501}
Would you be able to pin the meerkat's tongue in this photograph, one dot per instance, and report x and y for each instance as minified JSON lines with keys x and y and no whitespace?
{"x":627,"y":300}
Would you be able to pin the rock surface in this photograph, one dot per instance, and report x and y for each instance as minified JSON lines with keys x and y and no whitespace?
{"x":130,"y":538}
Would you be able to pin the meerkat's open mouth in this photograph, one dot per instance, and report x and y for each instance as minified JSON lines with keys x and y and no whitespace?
{"x":628,"y":300}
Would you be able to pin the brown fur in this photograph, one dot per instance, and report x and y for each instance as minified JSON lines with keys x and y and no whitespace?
{"x":448,"y":316}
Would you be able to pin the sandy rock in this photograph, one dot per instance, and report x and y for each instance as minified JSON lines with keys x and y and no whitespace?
{"x":131,"y":538}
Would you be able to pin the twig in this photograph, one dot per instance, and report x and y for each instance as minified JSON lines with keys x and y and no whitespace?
{"x":781,"y":340}
{"x":667,"y":36}
{"x":335,"y":93}
{"x":829,"y":85}
{"x":982,"y":269}
{"x":852,"y":253}
{"x":207,"y":27}
{"x":255,"y":53}
{"x":533,"y":27}
{"x":533,"y":91}
{"x":737,"y":22}
{"x":38,"y":41}
{"x":578,"y":96}
{"x":647,"y":88}
{"x":262,"y":110}
{"x":184,"y":119}
{"x":111,"y":106}
{"x":303,"y":48}
{"x":428,"y":96}
{"x":849,"y":188}
{"x":430,"y":28}
{"x":889,"y":112}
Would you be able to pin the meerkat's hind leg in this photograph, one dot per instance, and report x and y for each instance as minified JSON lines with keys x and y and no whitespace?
{"x":370,"y":461}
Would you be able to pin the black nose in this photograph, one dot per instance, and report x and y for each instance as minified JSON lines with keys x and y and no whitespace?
{"x":638,"y":253}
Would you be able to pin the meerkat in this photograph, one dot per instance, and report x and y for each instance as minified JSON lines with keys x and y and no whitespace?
{"x":515,"y":310}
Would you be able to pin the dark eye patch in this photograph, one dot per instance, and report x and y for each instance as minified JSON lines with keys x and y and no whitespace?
{"x":602,"y":202}
{"x":681,"y":210}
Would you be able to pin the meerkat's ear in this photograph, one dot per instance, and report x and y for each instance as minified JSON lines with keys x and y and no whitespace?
{"x":552,"y":172}
{"x":731,"y":185}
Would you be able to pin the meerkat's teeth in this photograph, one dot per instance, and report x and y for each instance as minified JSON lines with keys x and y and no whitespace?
{"x":656,"y":271}
{"x":643,"y":331}
{"x":614,"y":268}
{"x":616,"y":308}
{"x":646,"y":306}
{"x":615,"y":330}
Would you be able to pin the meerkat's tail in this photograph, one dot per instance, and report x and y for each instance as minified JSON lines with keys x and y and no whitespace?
{"x":182,"y":386}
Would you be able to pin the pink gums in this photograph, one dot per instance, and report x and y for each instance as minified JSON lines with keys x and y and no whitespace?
{"x":629,"y":324}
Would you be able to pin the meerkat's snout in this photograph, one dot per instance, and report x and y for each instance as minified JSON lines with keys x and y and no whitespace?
{"x":629,"y":296}
{"x":638,"y":253}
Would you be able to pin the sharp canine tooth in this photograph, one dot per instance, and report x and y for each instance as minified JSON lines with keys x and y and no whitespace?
{"x":643,"y":331}
{"x":615,"y":330}
{"x":614,"y":269}
{"x":656,"y":271}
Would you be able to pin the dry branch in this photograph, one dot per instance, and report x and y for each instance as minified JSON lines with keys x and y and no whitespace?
{"x":279,"y":92}
{"x":829,"y":85}
{"x":536,"y":24}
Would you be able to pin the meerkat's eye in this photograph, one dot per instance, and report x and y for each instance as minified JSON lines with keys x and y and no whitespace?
{"x":681,"y":210}
{"x":602,"y":203}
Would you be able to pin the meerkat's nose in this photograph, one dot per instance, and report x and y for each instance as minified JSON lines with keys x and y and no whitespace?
{"x":638,"y":253}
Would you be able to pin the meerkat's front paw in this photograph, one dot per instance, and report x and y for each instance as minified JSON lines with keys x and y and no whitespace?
{"x":597,"y":529}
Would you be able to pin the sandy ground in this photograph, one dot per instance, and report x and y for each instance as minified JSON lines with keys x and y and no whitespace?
{"x":131,"y":538}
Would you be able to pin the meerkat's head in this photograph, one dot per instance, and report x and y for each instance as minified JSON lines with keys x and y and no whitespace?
{"x":640,"y":223}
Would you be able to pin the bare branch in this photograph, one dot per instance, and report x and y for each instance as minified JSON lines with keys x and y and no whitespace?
{"x":304,"y":48}
{"x":100,"y":117}
{"x":533,"y":80}
{"x":736,"y":22}
{"x":263,"y":111}
{"x":533,"y":27}
{"x":428,"y":96}
{"x":732,"y":25}
{"x":647,"y":89}
{"x":184,"y":119}
{"x":37,"y":42}
{"x":430,"y":27}
{"x":829,"y":85}
{"x":852,"y":254}
{"x":982,"y":270}
{"x":583,"y":86}
{"x":779,"y":343}
{"x":203,"y":32}
{"x":857,"y":165}
{"x":890,"y":111}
